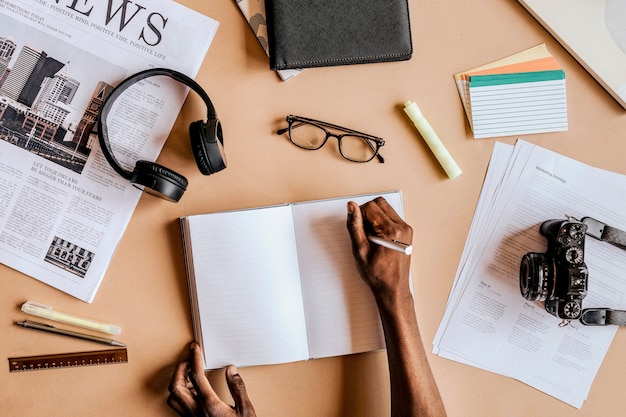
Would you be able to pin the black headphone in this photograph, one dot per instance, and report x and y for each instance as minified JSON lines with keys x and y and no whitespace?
{"x":207,"y":143}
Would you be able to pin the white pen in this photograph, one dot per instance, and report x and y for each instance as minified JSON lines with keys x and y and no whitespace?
{"x":392,"y":244}
{"x":42,"y":310}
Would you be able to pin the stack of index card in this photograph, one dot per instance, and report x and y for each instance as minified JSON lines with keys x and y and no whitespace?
{"x":521,"y":94}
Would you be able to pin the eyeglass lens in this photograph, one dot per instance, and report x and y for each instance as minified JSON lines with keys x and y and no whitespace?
{"x":312,"y":137}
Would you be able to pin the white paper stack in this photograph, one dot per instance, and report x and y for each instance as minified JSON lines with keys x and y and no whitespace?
{"x":487,"y":322}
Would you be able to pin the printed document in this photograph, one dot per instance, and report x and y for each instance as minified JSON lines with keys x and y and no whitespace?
{"x":63,"y":210}
{"x":487,"y":322}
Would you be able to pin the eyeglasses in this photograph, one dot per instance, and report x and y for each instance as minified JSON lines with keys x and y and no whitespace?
{"x":312,"y":134}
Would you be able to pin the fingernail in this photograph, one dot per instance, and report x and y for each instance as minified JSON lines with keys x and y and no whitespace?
{"x":350,"y":209}
{"x":233,"y":371}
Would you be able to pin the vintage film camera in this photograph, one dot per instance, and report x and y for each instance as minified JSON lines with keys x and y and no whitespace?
{"x":559,"y":276}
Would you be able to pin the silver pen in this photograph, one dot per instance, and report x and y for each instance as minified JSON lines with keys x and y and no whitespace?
{"x":28,"y":324}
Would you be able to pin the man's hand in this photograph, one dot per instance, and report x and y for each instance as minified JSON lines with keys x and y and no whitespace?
{"x":385,"y":270}
{"x":413,"y":388}
{"x":191,"y":394}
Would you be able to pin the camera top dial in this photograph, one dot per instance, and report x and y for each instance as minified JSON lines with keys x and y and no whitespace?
{"x":577,"y":231}
{"x":571,"y":234}
{"x":574,"y":255}
{"x":572,"y":310}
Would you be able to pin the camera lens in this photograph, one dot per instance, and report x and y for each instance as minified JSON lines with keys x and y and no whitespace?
{"x":533,"y":277}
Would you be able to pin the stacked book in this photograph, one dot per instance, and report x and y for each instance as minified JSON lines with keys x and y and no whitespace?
{"x":297,"y":34}
{"x":254,"y":13}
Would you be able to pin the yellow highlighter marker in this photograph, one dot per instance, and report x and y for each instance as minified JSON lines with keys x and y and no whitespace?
{"x":432,"y":140}
{"x":42,"y":310}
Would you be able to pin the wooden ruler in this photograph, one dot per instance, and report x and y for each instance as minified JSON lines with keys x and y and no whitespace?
{"x":68,"y":360}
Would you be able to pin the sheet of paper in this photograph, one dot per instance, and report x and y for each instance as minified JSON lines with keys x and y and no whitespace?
{"x":341,"y":313}
{"x":251,"y":304}
{"x":487,"y":322}
{"x":495,"y":171}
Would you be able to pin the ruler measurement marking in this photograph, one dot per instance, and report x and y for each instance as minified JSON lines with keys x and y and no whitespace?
{"x":68,"y":360}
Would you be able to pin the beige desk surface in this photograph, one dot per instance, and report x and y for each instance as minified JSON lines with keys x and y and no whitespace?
{"x":144,"y":290}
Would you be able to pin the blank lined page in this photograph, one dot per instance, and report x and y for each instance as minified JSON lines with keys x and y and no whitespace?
{"x":247,"y":285}
{"x":342,"y":316}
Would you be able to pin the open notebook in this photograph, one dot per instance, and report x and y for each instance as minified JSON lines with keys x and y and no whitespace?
{"x":278,"y":284}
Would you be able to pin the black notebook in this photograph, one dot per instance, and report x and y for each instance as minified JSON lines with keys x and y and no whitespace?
{"x":316,"y":33}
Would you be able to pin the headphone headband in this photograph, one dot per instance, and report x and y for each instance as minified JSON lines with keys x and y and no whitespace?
{"x":103,"y":133}
{"x":206,"y":141}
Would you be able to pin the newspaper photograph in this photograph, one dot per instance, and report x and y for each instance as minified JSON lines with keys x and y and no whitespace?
{"x":63,"y":209}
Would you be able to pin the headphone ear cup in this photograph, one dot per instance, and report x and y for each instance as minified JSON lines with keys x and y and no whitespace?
{"x":207,"y":146}
{"x":196,"y":136}
{"x":158,"y":180}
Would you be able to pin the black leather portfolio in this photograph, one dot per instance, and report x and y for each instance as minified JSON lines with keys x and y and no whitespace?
{"x":316,"y":33}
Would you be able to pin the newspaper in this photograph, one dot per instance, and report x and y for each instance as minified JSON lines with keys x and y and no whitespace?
{"x":63,"y":210}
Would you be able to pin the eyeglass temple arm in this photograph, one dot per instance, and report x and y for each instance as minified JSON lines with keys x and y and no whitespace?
{"x":324,"y":124}
{"x":293,"y":125}
{"x":344,"y":129}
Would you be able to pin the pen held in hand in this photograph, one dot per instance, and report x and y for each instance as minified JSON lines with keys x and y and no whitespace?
{"x":392,"y":244}
{"x":28,"y":324}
